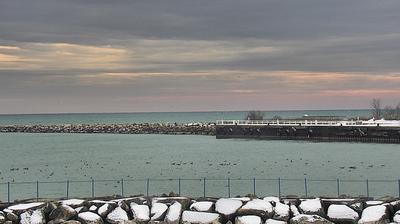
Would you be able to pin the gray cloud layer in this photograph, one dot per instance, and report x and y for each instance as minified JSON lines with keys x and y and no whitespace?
{"x":74,"y":53}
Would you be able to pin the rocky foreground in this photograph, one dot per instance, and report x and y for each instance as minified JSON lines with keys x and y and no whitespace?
{"x":174,"y":210}
{"x":143,"y":128}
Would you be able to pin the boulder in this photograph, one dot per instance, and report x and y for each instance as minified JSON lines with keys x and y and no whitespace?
{"x":33,"y":217}
{"x":89,"y":218}
{"x":358,"y":207}
{"x":257,"y":207}
{"x":294,"y":210}
{"x":200,"y":217}
{"x":12,"y":217}
{"x":248,"y":219}
{"x":376,"y":214}
{"x":312,"y":207}
{"x":342,"y":214}
{"x":140,"y":213}
{"x":273,"y":221}
{"x":93,"y":208}
{"x":282,"y":212}
{"x":158,"y":211}
{"x":307,"y":219}
{"x":396,"y":205}
{"x":117,"y":216}
{"x":21,"y":208}
{"x":63,"y":212}
{"x":227,"y":207}
{"x":396,"y":217}
{"x":105,"y":209}
{"x":174,"y":212}
{"x":202,"y":206}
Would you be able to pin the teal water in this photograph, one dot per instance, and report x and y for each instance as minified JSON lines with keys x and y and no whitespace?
{"x":163,"y":117}
{"x":60,"y":157}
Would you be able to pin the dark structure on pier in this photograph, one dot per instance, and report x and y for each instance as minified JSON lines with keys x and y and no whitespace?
{"x":373,"y":134}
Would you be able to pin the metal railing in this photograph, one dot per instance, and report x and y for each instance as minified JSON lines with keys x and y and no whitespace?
{"x":310,"y":123}
{"x":199,"y":187}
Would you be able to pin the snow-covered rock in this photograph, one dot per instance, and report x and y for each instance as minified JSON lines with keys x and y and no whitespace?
{"x":375,"y":214}
{"x":202,"y":206}
{"x":89,"y":218}
{"x":174,"y":213}
{"x":248,"y":219}
{"x":93,"y":208}
{"x":117,"y":216}
{"x":12,"y":216}
{"x":272,"y":200}
{"x":158,"y":211}
{"x":282,"y":212}
{"x":312,"y":207}
{"x":200,"y":217}
{"x":307,"y":219}
{"x":105,"y":209}
{"x":33,"y":217}
{"x":372,"y":203}
{"x":396,"y":217}
{"x":74,"y":203}
{"x":62,"y":212}
{"x":227,"y":206}
{"x":2,"y":217}
{"x":141,"y":213}
{"x":20,"y":208}
{"x":257,"y":207}
{"x":273,"y":221}
{"x":294,"y":210}
{"x":342,"y":214}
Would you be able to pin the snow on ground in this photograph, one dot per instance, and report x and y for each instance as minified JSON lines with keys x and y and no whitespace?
{"x":118,"y":215}
{"x":342,"y":212}
{"x":158,"y":210}
{"x":311,"y":205}
{"x":372,"y":213}
{"x":258,"y":204}
{"x":199,"y":217}
{"x":25,"y":206}
{"x":174,"y":212}
{"x":227,"y":206}
{"x":72,"y":202}
{"x":201,"y":206}
{"x":35,"y":217}
{"x":273,"y":221}
{"x":248,"y":219}
{"x":140,"y":212}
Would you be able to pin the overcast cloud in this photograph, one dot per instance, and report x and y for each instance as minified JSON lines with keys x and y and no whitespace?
{"x":127,"y":55}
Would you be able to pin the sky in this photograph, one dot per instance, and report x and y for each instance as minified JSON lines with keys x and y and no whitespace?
{"x":187,"y":55}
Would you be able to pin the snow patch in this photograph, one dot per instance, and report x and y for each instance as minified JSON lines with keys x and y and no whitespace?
{"x":227,"y":206}
{"x":258,"y":204}
{"x":35,"y":217}
{"x":342,"y":212}
{"x":89,"y":217}
{"x":372,"y":214}
{"x":273,"y":221}
{"x":311,"y":205}
{"x":200,"y":217}
{"x":118,"y":215}
{"x":140,"y":212}
{"x":72,"y":202}
{"x":248,"y":219}
{"x":174,"y":212}
{"x":158,"y":210}
{"x":25,"y":206}
{"x":281,"y":211}
{"x":295,"y":210}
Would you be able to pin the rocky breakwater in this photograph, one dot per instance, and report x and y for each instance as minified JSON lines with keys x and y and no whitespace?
{"x":142,"y":128}
{"x":175,"y":210}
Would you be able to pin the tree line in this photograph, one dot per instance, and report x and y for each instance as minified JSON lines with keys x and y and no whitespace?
{"x":388,"y":112}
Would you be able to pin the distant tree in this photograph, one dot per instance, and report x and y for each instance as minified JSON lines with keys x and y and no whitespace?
{"x":389,"y":113}
{"x":276,"y":117}
{"x":255,"y":115}
{"x":376,"y":107}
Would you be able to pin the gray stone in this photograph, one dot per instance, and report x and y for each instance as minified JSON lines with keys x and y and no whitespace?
{"x":63,"y":212}
{"x":307,"y":219}
{"x":89,"y":218}
{"x":12,"y":217}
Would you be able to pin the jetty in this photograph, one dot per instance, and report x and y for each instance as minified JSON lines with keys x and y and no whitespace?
{"x":376,"y":131}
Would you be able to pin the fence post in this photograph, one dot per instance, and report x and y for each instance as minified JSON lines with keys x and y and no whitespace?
{"x":147,"y":186}
{"x":122,"y":187}
{"x":399,"y":186}
{"x":67,"y":189}
{"x":254,"y":186}
{"x":8,"y":192}
{"x":179,"y":186}
{"x":204,"y":187}
{"x":279,"y":187}
{"x":92,"y":188}
{"x":367,"y":187}
{"x":338,"y":187}
{"x":229,"y":187}
{"x":37,"y":190}
{"x":305,"y":187}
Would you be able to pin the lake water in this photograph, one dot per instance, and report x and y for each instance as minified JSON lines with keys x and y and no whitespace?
{"x":108,"y":158}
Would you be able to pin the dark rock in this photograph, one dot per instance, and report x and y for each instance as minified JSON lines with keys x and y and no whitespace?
{"x":257,"y":207}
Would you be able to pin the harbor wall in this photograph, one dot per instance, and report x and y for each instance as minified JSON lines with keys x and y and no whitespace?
{"x":373,"y":134}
